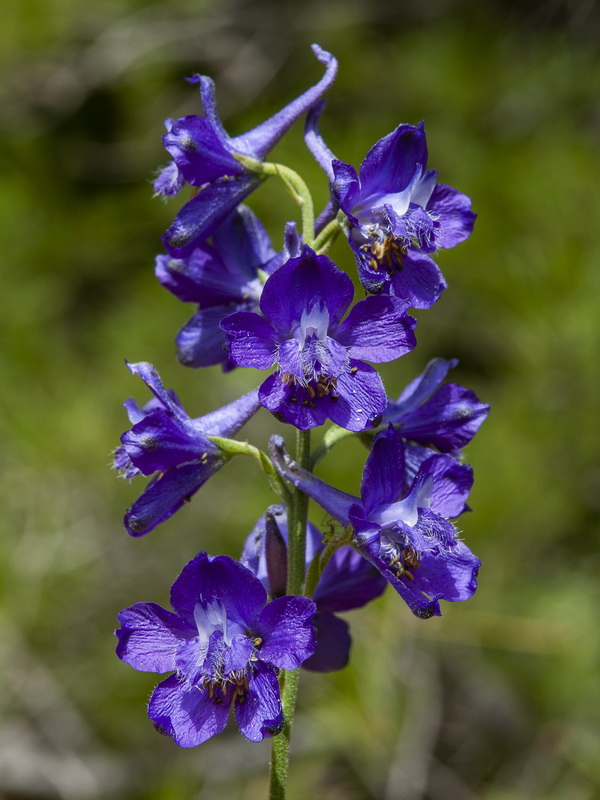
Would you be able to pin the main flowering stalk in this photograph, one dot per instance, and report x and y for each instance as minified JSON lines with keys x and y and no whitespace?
{"x":298,"y":517}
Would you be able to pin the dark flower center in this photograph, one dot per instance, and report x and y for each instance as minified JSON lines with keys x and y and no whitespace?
{"x":383,"y":250}
{"x":218,"y":689}
{"x":401,"y":558}
{"x":321,"y":386}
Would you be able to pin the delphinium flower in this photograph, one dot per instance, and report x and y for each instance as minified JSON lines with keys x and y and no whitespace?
{"x":406,"y":535}
{"x":165,"y":442}
{"x":225,"y":646}
{"x":320,"y":373}
{"x":397,"y":214}
{"x":204,"y":155}
{"x":347,"y":582}
{"x":221,"y":278}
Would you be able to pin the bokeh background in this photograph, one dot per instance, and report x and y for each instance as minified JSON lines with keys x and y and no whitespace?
{"x":500,"y":698}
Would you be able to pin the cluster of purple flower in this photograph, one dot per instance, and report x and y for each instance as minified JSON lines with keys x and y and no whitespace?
{"x":290,"y":313}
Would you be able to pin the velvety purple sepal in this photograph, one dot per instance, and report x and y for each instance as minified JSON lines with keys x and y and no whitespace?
{"x":345,"y":187}
{"x":378,"y":329}
{"x":199,"y":152}
{"x":222,"y":278}
{"x":455,"y":210}
{"x":304,"y":283}
{"x":286,"y":629}
{"x":201,"y":341}
{"x":333,"y":643}
{"x":226,"y":646}
{"x":167,"y":493}
{"x":260,"y":714}
{"x":360,"y":398}
{"x":190,"y":717}
{"x":383,"y":478}
{"x":421,"y":388}
{"x":251,"y":340}
{"x":389,"y":166}
{"x":150,"y":636}
{"x":347,"y":582}
{"x":201,"y":216}
{"x":240,"y":594}
{"x":159,"y":442}
{"x":418,"y":279}
{"x":452,"y":483}
{"x":446,"y":417}
{"x":448,"y":420}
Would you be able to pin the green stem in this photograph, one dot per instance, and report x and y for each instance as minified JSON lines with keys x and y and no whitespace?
{"x":295,"y":184}
{"x":281,"y":744}
{"x":233,"y":447}
{"x":297,"y":519}
{"x":327,"y":236}
{"x":333,"y":435}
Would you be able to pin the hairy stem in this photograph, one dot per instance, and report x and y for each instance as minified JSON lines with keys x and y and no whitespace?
{"x":297,"y":518}
{"x":327,"y":236}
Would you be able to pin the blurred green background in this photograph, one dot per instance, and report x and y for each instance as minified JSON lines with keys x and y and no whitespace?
{"x":500,"y":698}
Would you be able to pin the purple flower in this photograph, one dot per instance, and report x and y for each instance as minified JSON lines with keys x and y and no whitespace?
{"x":406,"y":535}
{"x":320,"y":372}
{"x":446,"y":417}
{"x":221,"y":277}
{"x":348,"y":582}
{"x":166,"y":442}
{"x":396,"y":212}
{"x":204,"y":155}
{"x":225,"y":647}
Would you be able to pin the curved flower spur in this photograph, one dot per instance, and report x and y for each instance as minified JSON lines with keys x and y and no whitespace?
{"x":320,"y":372}
{"x":204,"y":156}
{"x":225,"y":646}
